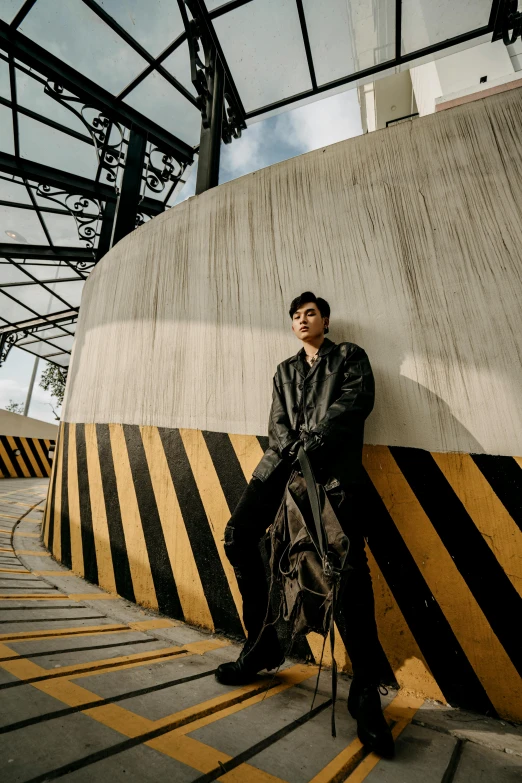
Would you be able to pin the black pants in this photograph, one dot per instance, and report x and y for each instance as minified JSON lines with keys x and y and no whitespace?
{"x":355,"y":618}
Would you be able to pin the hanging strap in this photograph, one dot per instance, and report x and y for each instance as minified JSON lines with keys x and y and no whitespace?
{"x":317,"y":533}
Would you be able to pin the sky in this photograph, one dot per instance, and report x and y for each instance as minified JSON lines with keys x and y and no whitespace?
{"x":264,"y":143}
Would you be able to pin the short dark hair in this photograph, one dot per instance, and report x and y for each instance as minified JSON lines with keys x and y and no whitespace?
{"x":308,"y":296}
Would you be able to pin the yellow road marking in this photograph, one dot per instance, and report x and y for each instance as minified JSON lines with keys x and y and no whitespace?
{"x":91,"y":597}
{"x":150,"y":625}
{"x":24,"y":669}
{"x":65,"y":572}
{"x":27,"y":535}
{"x":63,"y":633}
{"x":15,"y":571}
{"x":32,"y":597}
{"x":33,"y":552}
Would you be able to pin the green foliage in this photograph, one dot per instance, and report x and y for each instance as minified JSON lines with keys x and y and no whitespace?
{"x":15,"y":407}
{"x":53,"y":380}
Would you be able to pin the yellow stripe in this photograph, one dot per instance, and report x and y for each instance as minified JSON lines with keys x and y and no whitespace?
{"x":518,"y":460}
{"x":130,"y":516}
{"x":9,"y":465}
{"x":75,"y":522}
{"x":98,"y":513}
{"x":14,"y":571}
{"x":43,"y":456}
{"x":152,"y":625}
{"x":31,"y":458}
{"x":248,"y":452}
{"x":57,"y":532}
{"x":491,"y":517}
{"x":213,"y":500}
{"x":188,"y":582}
{"x":19,"y":458}
{"x":482,"y":648}
{"x":62,"y":633}
{"x":399,"y":644}
{"x":32,"y":552}
{"x":26,"y":535}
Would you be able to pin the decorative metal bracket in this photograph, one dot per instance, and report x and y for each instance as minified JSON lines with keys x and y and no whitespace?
{"x":160,"y":169}
{"x":202,"y":74}
{"x":86,"y":211}
{"x":110,"y":154}
{"x":7,"y":341}
{"x":509,"y":22}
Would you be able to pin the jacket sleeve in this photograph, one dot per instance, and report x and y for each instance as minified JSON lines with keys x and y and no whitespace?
{"x":356,"y":400}
{"x":280,"y":433}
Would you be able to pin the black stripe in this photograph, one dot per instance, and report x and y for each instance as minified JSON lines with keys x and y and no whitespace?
{"x":90,"y":565}
{"x":233,"y":483}
{"x":22,"y":724}
{"x":228,"y":469}
{"x":505,"y":477}
{"x":160,"y":565}
{"x":34,"y":451}
{"x":52,"y":493}
{"x":121,"y":747}
{"x":64,"y":520}
{"x":23,"y":456}
{"x":259,"y":747}
{"x":92,"y":667}
{"x":14,"y":461}
{"x":120,"y":559}
{"x":211,"y":573}
{"x":434,"y":635}
{"x":482,"y":572}
{"x":45,"y":449}
{"x":263,"y":441}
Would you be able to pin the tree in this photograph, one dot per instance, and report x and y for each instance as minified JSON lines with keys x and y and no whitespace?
{"x":53,"y":380}
{"x":15,"y":407}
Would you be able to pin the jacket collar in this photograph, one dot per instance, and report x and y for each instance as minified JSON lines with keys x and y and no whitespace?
{"x":326,"y":346}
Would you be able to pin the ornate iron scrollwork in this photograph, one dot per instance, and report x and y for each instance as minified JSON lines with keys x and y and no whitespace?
{"x":7,"y":341}
{"x":78,"y":207}
{"x":202,"y":72}
{"x":110,"y":154}
{"x":160,"y":169}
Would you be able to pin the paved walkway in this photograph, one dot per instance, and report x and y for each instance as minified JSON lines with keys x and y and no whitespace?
{"x":93,"y":688}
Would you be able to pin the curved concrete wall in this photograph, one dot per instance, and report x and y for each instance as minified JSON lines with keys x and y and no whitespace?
{"x":413,"y":235}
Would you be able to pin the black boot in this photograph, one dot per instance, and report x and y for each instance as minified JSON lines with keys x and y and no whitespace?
{"x":265,"y":654}
{"x":364,"y":705}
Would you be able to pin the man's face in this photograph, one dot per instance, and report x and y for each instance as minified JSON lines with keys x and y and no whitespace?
{"x":308,"y":323}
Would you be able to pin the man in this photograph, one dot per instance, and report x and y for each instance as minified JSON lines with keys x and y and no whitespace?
{"x":321,"y":398}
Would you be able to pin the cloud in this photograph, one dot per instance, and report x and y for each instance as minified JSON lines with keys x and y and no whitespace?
{"x":324,"y":122}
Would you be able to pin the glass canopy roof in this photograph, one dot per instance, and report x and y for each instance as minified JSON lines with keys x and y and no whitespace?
{"x":129,"y":61}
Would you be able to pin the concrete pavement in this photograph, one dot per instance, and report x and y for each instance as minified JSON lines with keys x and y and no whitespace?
{"x":95,"y":688}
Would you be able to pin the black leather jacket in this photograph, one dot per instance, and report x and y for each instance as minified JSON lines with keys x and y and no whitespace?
{"x":335,"y":396}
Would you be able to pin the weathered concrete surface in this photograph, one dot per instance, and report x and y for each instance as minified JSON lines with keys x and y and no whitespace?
{"x":413,"y":236}
{"x":82,"y":703}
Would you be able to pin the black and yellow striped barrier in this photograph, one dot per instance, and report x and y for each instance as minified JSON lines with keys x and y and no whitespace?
{"x":142,"y":511}
{"x":24,"y":457}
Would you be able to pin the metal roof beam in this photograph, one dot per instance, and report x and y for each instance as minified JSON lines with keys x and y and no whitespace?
{"x":52,"y":67}
{"x":72,"y":183}
{"x":12,"y":250}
